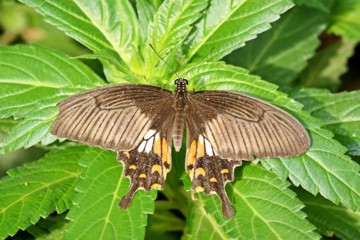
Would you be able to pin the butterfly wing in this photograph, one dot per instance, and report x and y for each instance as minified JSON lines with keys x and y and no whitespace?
{"x":241,"y":127}
{"x":114,"y":117}
{"x":134,"y":120}
{"x":225,"y":128}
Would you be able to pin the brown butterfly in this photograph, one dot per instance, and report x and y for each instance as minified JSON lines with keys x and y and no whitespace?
{"x":141,"y":122}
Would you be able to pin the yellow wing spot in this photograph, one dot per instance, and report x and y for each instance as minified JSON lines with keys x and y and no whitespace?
{"x":199,"y":189}
{"x":225,"y":170}
{"x":143,"y":175}
{"x":132,"y":167}
{"x":191,"y":153}
{"x":127,"y":154}
{"x":156,"y":168}
{"x":157,"y":145}
{"x":199,"y":171}
{"x":200,"y":151}
{"x":156,"y":186}
{"x":165,"y":151}
{"x":213,"y":179}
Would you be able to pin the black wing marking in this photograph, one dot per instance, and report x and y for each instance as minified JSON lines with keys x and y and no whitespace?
{"x":114,"y":117}
{"x":240,"y":127}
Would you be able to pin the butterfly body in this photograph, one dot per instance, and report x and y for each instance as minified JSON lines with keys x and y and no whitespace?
{"x":141,"y":123}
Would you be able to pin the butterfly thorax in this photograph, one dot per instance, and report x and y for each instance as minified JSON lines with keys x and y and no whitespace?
{"x":180,"y":98}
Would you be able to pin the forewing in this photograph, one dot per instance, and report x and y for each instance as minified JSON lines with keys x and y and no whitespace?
{"x":114,"y":117}
{"x":240,"y":127}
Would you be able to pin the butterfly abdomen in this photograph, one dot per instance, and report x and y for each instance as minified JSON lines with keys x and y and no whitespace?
{"x":178,"y":128}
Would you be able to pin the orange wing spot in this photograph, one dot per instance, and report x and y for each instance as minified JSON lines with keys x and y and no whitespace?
{"x":165,"y":151}
{"x":143,"y":175}
{"x":156,"y":168}
{"x":200,"y":151}
{"x":156,"y":186}
{"x":225,"y":170}
{"x":127,"y":154}
{"x":132,"y":167}
{"x":191,"y":153}
{"x":213,"y":179}
{"x":199,"y":189}
{"x":199,"y":171}
{"x":157,"y":146}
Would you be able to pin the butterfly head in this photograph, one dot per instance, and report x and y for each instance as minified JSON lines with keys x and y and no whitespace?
{"x":181,"y":84}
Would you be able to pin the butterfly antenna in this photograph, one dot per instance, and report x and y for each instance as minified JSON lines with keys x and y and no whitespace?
{"x":199,"y":62}
{"x":163,"y":60}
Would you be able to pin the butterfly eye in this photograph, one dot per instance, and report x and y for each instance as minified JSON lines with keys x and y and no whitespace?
{"x":176,"y":81}
{"x":186,"y":82}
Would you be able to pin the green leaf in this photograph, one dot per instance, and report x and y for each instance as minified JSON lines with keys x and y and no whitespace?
{"x":338,"y":112}
{"x":117,"y":23}
{"x":31,"y":91}
{"x":326,"y":67}
{"x":96,"y":214}
{"x":35,"y":128}
{"x":146,"y":12}
{"x":202,"y":225}
{"x":67,"y":16}
{"x":329,"y":218}
{"x":227,"y":25}
{"x":24,"y":84}
{"x":38,"y":189}
{"x":345,"y":19}
{"x":279,"y":54}
{"x":172,"y":24}
{"x":262,"y":201}
{"x":323,"y":168}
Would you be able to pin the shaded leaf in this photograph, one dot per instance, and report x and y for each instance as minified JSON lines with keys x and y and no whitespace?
{"x":329,"y":218}
{"x":38,"y":189}
{"x":338,"y":112}
{"x":96,"y":214}
{"x":323,"y":5}
{"x":227,"y":25}
{"x":345,"y":19}
{"x":279,"y":54}
{"x":51,"y":228}
{"x":326,"y":67}
{"x":262,"y":201}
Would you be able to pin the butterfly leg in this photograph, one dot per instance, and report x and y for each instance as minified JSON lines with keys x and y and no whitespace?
{"x":209,"y":174}
{"x":146,"y":169}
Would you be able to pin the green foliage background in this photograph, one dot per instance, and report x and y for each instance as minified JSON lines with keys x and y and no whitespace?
{"x":73,"y":191}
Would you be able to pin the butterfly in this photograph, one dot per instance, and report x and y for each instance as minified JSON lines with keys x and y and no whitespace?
{"x":142,"y":123}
